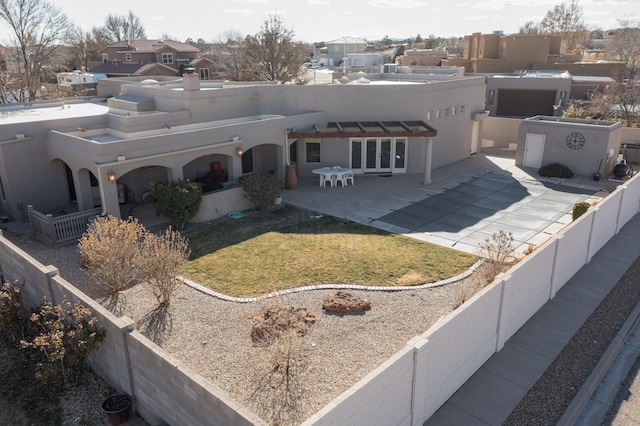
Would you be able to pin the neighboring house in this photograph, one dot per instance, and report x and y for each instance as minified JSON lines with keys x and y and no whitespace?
{"x":537,"y":92}
{"x":151,"y":58}
{"x":421,"y":57}
{"x":56,"y":154}
{"x":338,"y":49}
{"x":497,"y":53}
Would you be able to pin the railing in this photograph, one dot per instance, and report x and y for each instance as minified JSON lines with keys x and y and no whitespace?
{"x":61,"y":229}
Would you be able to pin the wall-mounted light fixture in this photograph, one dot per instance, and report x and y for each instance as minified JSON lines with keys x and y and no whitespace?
{"x":239,"y":151}
{"x":111,"y":176}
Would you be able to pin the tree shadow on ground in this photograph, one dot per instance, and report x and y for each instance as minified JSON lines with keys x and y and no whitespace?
{"x":156,"y":324}
{"x":115,"y":303}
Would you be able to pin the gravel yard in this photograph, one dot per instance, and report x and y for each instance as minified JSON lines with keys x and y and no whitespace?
{"x":213,"y":336}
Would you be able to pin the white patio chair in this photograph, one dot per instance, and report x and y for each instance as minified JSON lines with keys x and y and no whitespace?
{"x":346,"y":178}
{"x":327,"y":177}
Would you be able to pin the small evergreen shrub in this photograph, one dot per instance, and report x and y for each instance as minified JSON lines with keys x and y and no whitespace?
{"x":579,"y":209}
{"x":556,"y":170}
{"x":178,"y":200}
{"x":261,"y":190}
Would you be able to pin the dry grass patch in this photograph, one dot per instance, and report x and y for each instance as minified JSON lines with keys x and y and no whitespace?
{"x":292,"y":247}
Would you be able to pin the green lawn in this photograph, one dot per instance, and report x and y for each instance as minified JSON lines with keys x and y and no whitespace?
{"x":290,"y":247}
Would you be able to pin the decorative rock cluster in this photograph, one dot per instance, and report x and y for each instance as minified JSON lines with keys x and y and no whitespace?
{"x":345,"y":303}
{"x":270,"y":322}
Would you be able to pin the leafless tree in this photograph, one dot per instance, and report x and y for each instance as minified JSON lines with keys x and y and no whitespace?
{"x":530,"y":27}
{"x":84,"y":49}
{"x":226,"y":53}
{"x":624,"y":46}
{"x":38,"y":30}
{"x":565,"y":20}
{"x":614,"y":102}
{"x":162,"y":258}
{"x":120,"y":28}
{"x":273,"y":54}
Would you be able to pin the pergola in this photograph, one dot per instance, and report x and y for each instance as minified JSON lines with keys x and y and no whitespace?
{"x":351,"y":129}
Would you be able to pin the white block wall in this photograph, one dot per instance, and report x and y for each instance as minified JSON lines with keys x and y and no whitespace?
{"x":630,"y":204}
{"x":526,"y":288}
{"x":453,"y":349}
{"x":605,"y":222}
{"x":572,"y":251}
{"x":383,"y":397}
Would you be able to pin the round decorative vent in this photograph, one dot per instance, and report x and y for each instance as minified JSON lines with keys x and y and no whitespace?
{"x":575,"y":140}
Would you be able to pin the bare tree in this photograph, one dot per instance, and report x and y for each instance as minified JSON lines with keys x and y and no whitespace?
{"x":162,"y":259}
{"x":38,"y":30}
{"x":226,"y":53}
{"x":613,"y":102}
{"x":530,"y":27}
{"x":120,"y":28}
{"x":624,"y":46}
{"x":84,"y":48}
{"x":273,"y":54}
{"x":109,"y":249}
{"x":565,"y":19}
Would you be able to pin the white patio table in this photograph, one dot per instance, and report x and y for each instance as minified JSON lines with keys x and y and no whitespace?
{"x":333,"y":175}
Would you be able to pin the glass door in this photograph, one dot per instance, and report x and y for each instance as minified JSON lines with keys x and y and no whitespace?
{"x":380,"y":155}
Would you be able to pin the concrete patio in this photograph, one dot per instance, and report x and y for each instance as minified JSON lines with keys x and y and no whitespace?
{"x":465,"y":204}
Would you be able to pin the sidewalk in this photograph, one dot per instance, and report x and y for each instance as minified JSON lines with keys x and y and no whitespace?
{"x":494,"y":391}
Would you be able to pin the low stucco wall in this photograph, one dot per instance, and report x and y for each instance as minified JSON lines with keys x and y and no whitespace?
{"x":498,"y":132}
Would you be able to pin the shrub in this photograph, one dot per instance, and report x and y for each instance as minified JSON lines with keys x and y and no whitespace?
{"x":556,"y":170}
{"x":12,"y":316}
{"x":261,"y":190}
{"x":66,"y":334}
{"x":178,"y":200}
{"x":579,"y":209}
{"x":162,"y":258}
{"x":497,"y":255}
{"x":109,"y":248}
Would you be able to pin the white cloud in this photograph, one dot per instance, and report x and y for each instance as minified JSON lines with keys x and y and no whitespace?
{"x":243,"y":12}
{"x":159,"y":18}
{"x":398,"y":4}
{"x":319,"y":2}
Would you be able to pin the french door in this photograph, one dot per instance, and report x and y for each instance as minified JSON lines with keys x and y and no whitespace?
{"x":378,"y":155}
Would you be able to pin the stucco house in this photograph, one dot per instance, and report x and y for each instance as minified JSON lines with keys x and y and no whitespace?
{"x":151,"y":58}
{"x":56,"y":154}
{"x":338,"y":49}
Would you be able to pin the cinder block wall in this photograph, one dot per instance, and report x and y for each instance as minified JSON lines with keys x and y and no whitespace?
{"x":405,"y":390}
{"x":163,"y":390}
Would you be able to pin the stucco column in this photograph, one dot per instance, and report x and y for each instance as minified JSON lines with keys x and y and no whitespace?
{"x":427,"y":160}
{"x":175,"y":173}
{"x":109,"y":195}
{"x":82,"y":184}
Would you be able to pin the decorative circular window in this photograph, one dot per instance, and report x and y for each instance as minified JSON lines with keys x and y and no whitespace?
{"x":575,"y":140}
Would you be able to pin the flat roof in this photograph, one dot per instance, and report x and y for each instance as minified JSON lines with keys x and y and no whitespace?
{"x":24,"y":113}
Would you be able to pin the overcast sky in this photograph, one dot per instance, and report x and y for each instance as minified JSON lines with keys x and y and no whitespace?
{"x":325,"y":20}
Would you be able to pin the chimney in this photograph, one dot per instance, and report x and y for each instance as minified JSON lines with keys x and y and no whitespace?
{"x":190,"y":80}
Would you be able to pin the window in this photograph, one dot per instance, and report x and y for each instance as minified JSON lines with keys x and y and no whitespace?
{"x":437,"y":113}
{"x":428,"y":115}
{"x":491,"y":98}
{"x":204,"y":73}
{"x":461,"y":109}
{"x":313,"y":152}
{"x":446,"y":112}
{"x":167,"y":58}
{"x":127,"y":57}
{"x":105,"y":57}
{"x":454,"y":110}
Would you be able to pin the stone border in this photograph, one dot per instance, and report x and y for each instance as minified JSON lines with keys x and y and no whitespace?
{"x":221,"y":296}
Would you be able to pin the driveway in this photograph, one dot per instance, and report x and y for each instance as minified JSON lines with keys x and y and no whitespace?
{"x":466,"y":203}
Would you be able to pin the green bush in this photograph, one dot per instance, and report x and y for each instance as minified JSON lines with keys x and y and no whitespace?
{"x":579,"y":209}
{"x":178,"y":200}
{"x":261,"y":190}
{"x":556,"y":170}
